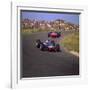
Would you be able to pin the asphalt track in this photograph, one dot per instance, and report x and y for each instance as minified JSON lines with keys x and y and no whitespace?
{"x":36,"y":63}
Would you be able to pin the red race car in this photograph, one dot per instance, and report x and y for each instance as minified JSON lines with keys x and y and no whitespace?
{"x":54,"y":34}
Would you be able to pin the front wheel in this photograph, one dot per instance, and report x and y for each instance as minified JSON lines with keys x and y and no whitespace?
{"x":58,"y":48}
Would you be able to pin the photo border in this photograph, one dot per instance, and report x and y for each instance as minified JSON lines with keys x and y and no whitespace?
{"x":16,"y":81}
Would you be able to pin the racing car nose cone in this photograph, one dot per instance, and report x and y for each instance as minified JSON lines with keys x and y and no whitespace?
{"x":50,"y":46}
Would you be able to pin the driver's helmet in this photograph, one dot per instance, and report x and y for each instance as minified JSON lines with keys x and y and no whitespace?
{"x":47,"y":41}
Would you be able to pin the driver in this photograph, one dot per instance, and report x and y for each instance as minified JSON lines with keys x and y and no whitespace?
{"x":47,"y":42}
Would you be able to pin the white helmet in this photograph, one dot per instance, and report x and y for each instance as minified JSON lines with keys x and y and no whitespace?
{"x":47,"y":41}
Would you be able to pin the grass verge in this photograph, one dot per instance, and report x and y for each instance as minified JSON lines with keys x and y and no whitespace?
{"x":71,"y":42}
{"x":30,"y":31}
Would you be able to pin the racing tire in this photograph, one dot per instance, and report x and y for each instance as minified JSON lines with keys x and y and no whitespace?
{"x":49,"y":34}
{"x":59,"y":34}
{"x":58,"y":48}
{"x":38,"y":43}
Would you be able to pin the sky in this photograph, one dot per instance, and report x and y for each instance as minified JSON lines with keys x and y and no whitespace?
{"x":68,"y":17}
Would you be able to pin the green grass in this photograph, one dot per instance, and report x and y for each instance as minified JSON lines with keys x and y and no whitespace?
{"x":30,"y":31}
{"x":71,"y":42}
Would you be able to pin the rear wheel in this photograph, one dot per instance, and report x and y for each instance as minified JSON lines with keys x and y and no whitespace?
{"x":49,"y":34}
{"x":38,"y":43}
{"x":58,"y":48}
{"x":59,"y":34}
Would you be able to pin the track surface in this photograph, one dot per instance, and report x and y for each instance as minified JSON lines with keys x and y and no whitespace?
{"x":36,"y":63}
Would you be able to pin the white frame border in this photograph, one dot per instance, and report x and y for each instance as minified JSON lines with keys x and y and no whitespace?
{"x":15,"y":36}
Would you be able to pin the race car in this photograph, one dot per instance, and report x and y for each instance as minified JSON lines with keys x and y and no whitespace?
{"x":48,"y":45}
{"x":54,"y":34}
